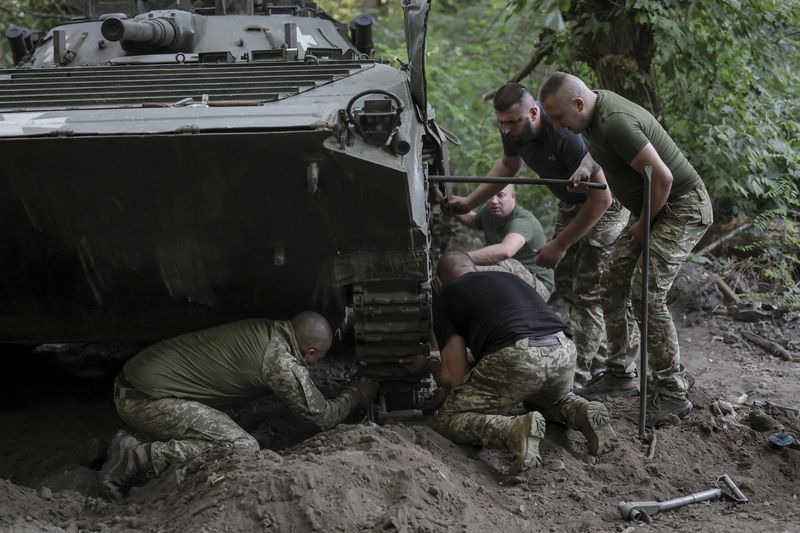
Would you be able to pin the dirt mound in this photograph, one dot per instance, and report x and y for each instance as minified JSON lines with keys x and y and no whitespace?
{"x":408,"y":478}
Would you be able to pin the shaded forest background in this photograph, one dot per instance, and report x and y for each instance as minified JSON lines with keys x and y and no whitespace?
{"x":721,"y":75}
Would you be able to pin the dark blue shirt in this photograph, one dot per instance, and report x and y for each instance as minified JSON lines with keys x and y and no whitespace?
{"x":553,"y":154}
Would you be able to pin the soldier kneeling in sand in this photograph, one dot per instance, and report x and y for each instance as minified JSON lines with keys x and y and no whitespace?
{"x":523,"y":354}
{"x":170,"y":392}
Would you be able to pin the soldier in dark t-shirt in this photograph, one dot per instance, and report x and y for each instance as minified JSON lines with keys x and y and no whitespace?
{"x":523,"y":353}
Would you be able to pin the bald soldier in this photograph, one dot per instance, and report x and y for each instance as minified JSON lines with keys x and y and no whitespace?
{"x":624,"y":139}
{"x":170,"y":393}
{"x":513,"y":235}
{"x":523,"y":354}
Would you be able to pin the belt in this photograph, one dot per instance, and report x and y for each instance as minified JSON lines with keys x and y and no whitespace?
{"x":544,"y":340}
{"x":125,"y":391}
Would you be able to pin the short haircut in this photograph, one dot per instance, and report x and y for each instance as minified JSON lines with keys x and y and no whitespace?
{"x":312,"y":331}
{"x":510,"y":94}
{"x":561,"y":82}
{"x":452,"y":261}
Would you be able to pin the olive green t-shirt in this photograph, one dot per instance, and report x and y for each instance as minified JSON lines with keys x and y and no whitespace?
{"x":227,"y":364}
{"x":217,"y":366}
{"x":523,"y":222}
{"x":618,"y":132}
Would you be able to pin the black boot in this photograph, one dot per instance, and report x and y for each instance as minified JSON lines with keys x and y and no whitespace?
{"x":662,"y":409}
{"x":605,"y":385}
{"x":128,"y":459}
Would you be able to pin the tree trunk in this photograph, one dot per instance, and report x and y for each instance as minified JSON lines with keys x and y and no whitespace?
{"x":620,"y":50}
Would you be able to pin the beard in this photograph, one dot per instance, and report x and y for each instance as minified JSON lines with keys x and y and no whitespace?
{"x":528,"y":134}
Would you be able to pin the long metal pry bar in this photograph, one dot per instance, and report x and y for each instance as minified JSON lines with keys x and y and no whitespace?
{"x":636,"y":511}
{"x":643,"y":325}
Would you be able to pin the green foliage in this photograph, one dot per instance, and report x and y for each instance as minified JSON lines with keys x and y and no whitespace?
{"x":728,"y":73}
{"x":771,"y":263}
{"x":30,"y":14}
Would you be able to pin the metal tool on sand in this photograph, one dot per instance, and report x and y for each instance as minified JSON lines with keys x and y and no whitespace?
{"x":643,"y":511}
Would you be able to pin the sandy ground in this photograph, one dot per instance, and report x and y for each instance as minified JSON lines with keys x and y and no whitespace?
{"x":407,"y":478}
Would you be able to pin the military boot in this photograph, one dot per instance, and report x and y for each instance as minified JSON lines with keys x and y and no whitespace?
{"x":598,"y":365}
{"x":605,"y":385}
{"x":662,"y":409}
{"x":522,"y":436}
{"x":593,"y":420}
{"x":689,"y":377}
{"x":128,"y":460}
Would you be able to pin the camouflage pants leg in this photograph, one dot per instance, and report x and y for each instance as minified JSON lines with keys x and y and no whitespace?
{"x":675,"y":232}
{"x":474,"y":413}
{"x":578,"y":278}
{"x":182,"y":429}
{"x":518,"y":269}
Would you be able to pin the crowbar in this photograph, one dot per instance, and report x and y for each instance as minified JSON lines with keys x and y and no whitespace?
{"x":516,"y":181}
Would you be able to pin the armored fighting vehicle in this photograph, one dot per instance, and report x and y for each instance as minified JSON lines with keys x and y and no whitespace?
{"x":168,"y":165}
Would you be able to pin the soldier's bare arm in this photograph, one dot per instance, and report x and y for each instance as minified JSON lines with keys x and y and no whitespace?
{"x":453,"y":366}
{"x":504,"y":167}
{"x":491,"y":255}
{"x":449,"y":369}
{"x":584,"y":171}
{"x":468,"y":219}
{"x":597,"y":202}
{"x":661,"y":185}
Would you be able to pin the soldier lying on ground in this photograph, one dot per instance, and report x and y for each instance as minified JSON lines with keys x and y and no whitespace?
{"x":523,"y":354}
{"x":170,"y":392}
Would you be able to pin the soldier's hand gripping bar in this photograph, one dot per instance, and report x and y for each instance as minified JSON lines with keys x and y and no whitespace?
{"x":516,"y":181}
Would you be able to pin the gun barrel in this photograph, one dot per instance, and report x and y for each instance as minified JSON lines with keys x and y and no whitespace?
{"x":158,"y":32}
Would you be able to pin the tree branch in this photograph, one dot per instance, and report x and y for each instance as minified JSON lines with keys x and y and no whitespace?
{"x":36,"y":14}
{"x":542,"y":49}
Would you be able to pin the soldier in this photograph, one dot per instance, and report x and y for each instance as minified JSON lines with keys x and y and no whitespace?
{"x":624,"y":138}
{"x":587,"y":224}
{"x":512,"y":235}
{"x":170,"y":392}
{"x":523,"y":355}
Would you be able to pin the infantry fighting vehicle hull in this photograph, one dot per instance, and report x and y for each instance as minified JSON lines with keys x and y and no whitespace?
{"x":168,"y":170}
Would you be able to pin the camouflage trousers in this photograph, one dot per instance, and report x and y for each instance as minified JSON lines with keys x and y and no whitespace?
{"x":181,"y":429}
{"x":518,"y":269}
{"x":475,"y":412}
{"x":578,"y":278}
{"x":673,"y":235}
